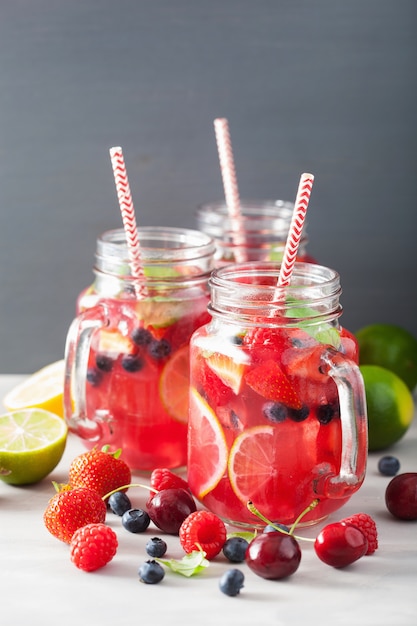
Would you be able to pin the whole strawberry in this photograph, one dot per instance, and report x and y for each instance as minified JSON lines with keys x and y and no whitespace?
{"x":70,"y":509}
{"x":93,"y":546}
{"x":99,"y":470}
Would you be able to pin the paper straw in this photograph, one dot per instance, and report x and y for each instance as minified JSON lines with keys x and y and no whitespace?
{"x":296,"y":229}
{"x":228,"y":172}
{"x":128,"y":216}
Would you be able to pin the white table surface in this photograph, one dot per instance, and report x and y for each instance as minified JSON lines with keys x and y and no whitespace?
{"x":39,"y":584}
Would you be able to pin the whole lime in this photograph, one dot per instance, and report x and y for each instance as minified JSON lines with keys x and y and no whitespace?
{"x":390,"y":406}
{"x":389,"y":346}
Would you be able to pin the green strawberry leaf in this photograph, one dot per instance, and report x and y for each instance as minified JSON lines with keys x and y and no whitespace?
{"x":190,"y":564}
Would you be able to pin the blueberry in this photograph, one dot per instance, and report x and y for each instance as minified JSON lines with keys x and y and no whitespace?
{"x":132,"y":363}
{"x":94,"y":376}
{"x":151,"y":572}
{"x":104,"y":362}
{"x":325,"y":413}
{"x":388,"y":465}
{"x":156,"y":547}
{"x":270,"y":529}
{"x":235,"y":549}
{"x":159,"y":348}
{"x":119,"y":503}
{"x":231,"y":582}
{"x":141,"y":336}
{"x":275,"y":411}
{"x":237,"y":340}
{"x":299,"y":415}
{"x":135,"y":520}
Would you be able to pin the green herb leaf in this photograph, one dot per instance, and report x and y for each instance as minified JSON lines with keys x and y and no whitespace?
{"x":244,"y":535}
{"x":190,"y":564}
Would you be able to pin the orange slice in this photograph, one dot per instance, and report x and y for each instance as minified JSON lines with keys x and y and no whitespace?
{"x":207,"y":448}
{"x":174,"y":385}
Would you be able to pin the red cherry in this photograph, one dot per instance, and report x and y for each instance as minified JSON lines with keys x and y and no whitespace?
{"x":169,"y":508}
{"x":273,"y":555}
{"x":340,"y":544}
{"x":401,"y":496}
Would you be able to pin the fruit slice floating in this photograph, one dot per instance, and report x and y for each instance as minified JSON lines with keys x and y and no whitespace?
{"x":270,"y":382}
{"x":44,"y":390}
{"x":207,"y":447}
{"x":174,"y":385}
{"x":228,"y":370}
{"x":32,"y":442}
{"x":114,"y":343}
{"x":251,"y":462}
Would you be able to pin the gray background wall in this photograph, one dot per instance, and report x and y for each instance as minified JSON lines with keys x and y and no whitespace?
{"x":326,"y":86}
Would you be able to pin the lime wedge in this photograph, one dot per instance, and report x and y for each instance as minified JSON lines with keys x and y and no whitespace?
{"x":32,"y":442}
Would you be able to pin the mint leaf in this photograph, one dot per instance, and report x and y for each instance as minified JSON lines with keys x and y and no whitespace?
{"x":244,"y":535}
{"x":323,"y":333}
{"x":190,"y":564}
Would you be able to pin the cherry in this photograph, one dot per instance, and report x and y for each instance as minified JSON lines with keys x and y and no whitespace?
{"x":273,"y":555}
{"x":401,"y":496}
{"x":169,"y":507}
{"x":340,"y":544}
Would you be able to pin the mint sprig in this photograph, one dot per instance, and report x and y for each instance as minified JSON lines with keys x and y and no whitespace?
{"x":190,"y":564}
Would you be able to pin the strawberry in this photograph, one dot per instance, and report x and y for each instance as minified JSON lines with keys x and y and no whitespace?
{"x":203,"y":530}
{"x":100,"y":470}
{"x":367,"y":525}
{"x":93,"y":546}
{"x":70,"y":509}
{"x":269,"y":381}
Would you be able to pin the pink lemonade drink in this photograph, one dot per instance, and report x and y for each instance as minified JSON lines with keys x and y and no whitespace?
{"x":262,"y":233}
{"x":277,"y":403}
{"x":127,"y":355}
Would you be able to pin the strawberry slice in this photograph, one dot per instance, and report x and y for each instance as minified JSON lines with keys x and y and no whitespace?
{"x":228,"y":370}
{"x":113,"y":342}
{"x":270,"y":382}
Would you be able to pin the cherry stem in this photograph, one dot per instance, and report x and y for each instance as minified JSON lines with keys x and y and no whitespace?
{"x":300,"y":517}
{"x":127,"y":487}
{"x":252,"y":508}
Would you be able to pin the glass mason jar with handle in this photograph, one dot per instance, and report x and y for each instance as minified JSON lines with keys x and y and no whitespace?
{"x":260,"y":235}
{"x":127,"y":355}
{"x":277,"y":402}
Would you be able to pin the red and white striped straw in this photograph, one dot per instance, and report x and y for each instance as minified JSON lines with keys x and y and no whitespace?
{"x":296,"y":229}
{"x":128,"y":216}
{"x":227,"y":166}
{"x":230,"y":186}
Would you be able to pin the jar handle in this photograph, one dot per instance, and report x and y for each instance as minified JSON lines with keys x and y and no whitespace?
{"x":77,"y":351}
{"x":354,"y":425}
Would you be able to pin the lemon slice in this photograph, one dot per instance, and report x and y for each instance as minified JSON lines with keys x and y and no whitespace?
{"x":44,"y":390}
{"x":207,"y":458}
{"x":32,"y":442}
{"x":251,"y":462}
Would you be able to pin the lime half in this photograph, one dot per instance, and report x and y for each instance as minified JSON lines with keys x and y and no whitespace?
{"x":32,"y":442}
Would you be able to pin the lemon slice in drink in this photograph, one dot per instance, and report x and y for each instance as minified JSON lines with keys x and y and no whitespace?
{"x":44,"y":390}
{"x":32,"y":442}
{"x":174,"y":385}
{"x":207,"y":447}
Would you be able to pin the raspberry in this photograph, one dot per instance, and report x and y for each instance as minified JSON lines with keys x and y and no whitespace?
{"x":163,"y":478}
{"x":366,"y":524}
{"x":93,"y":546}
{"x":203,"y":530}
